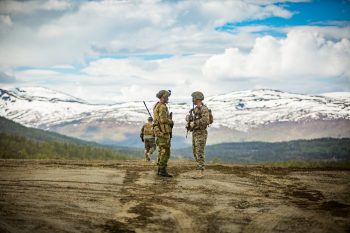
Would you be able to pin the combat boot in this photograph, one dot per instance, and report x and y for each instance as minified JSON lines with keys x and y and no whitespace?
{"x":163,"y":172}
{"x":199,"y":175}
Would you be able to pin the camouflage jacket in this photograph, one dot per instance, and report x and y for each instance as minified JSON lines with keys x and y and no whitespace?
{"x":162,"y":122}
{"x":147,"y":131}
{"x":201,"y":117}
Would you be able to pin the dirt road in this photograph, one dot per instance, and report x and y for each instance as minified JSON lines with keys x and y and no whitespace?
{"x":113,"y":196}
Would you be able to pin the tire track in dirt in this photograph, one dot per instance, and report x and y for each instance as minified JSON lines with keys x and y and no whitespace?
{"x":90,"y":196}
{"x":140,"y":213}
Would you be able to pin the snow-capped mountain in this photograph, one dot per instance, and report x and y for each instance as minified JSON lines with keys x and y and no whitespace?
{"x":235,"y":114}
{"x":248,"y":109}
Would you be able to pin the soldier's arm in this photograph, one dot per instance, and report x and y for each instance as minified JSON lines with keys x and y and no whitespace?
{"x":141,"y":133}
{"x":204,"y":120}
{"x":163,"y":116}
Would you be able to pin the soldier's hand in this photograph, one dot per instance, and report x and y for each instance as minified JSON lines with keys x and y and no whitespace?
{"x":192,"y":124}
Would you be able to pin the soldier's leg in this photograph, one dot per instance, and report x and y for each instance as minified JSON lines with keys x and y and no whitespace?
{"x":149,"y":148}
{"x":162,"y":152}
{"x":164,"y":144}
{"x":164,"y":149}
{"x":146,"y":150}
{"x":152,"y":147}
{"x":194,"y":145}
{"x":166,"y":155}
{"x":159,"y":153}
{"x":200,"y":142}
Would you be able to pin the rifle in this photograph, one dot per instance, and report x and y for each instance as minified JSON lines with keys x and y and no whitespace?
{"x":189,"y":119}
{"x":147,"y":109}
{"x":172,"y":125}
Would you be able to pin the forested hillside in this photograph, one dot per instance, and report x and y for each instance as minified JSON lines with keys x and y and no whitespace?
{"x":20,"y":142}
{"x":251,"y":152}
{"x":11,"y":127}
{"x":20,"y":147}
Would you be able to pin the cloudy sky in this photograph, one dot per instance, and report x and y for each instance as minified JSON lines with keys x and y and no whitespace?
{"x":107,"y":51}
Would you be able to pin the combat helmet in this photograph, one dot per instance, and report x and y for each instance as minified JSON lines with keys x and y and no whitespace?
{"x":162,"y":93}
{"x":197,"y":95}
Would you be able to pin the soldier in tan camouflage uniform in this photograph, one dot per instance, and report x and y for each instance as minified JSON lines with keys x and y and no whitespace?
{"x":147,"y":136}
{"x":198,"y":126}
{"x":163,"y":125}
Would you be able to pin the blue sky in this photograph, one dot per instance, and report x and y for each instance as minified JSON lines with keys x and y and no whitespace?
{"x":131,"y":49}
{"x":318,"y":12}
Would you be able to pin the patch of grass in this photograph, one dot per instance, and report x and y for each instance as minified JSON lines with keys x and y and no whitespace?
{"x":309,"y":164}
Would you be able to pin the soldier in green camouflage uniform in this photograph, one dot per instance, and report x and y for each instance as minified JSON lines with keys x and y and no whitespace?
{"x":199,"y":131}
{"x":163,"y":125}
{"x":147,"y":136}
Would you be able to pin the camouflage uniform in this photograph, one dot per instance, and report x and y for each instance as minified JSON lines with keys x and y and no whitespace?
{"x":162,"y":129}
{"x":147,"y":136}
{"x":200,"y":134}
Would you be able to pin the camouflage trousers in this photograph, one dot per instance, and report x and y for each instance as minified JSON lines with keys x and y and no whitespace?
{"x":199,"y":139}
{"x":150,"y":147}
{"x":163,"y":144}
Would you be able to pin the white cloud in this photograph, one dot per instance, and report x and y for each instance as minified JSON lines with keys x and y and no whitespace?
{"x":112,"y":80}
{"x":27,"y":7}
{"x":328,"y":32}
{"x":122,"y":27}
{"x":55,"y":5}
{"x":303,"y":54}
{"x":5,"y":20}
{"x":37,"y":73}
{"x":136,"y":76}
{"x":68,"y":40}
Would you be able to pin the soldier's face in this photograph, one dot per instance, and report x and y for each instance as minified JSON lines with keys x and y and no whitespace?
{"x":197,"y":102}
{"x":165,"y":99}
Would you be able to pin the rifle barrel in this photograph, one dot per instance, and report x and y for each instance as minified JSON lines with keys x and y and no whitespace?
{"x":147,"y":108}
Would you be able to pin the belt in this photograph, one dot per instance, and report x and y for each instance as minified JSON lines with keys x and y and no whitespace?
{"x":200,"y":129}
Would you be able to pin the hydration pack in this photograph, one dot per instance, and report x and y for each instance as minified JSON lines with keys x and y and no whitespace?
{"x":211,"y":118}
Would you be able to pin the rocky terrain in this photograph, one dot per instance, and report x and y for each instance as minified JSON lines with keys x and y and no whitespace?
{"x":126,"y":196}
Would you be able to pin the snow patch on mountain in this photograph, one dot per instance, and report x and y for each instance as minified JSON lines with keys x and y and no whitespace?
{"x":243,"y":110}
{"x":337,"y":95}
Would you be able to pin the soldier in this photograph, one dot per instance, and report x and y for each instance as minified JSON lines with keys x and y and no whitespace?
{"x":198,"y":125}
{"x":147,"y":136}
{"x":163,"y":125}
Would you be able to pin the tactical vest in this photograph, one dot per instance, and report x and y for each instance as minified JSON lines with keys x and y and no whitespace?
{"x":148,"y":129}
{"x":159,"y":128}
{"x":198,"y":115}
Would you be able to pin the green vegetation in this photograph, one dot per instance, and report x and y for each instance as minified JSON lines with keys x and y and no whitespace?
{"x":309,"y":164}
{"x":19,"y":147}
{"x":257,"y":152}
{"x":13,"y":128}
{"x":20,"y":142}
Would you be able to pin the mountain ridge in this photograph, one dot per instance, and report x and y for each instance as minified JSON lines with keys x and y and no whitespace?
{"x":241,"y":115}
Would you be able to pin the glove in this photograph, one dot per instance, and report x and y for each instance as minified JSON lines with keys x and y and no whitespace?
{"x":192,"y":124}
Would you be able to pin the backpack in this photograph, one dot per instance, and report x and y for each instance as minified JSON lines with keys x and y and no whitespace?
{"x":211,"y":118}
{"x":148,"y":129}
